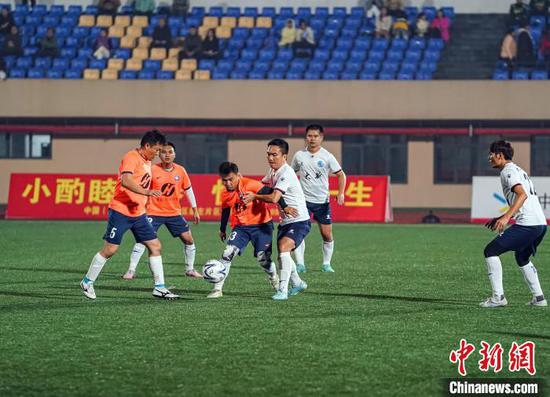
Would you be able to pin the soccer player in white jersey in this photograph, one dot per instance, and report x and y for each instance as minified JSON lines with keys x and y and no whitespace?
{"x":314,"y":165}
{"x":292,"y":230}
{"x":524,"y":236}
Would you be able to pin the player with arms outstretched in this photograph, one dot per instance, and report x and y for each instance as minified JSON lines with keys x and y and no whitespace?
{"x":127,"y":212}
{"x":524,"y":236}
{"x":250,"y":222}
{"x":314,"y":165}
{"x":292,"y":229}
{"x":172,"y":181}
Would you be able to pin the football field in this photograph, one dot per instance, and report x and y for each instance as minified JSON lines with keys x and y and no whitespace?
{"x":384,"y":324}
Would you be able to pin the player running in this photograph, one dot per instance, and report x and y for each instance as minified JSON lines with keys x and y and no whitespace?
{"x":314,"y":164}
{"x":524,"y":236}
{"x":172,"y":180}
{"x":250,"y":222}
{"x":127,"y":212}
{"x":292,"y":230}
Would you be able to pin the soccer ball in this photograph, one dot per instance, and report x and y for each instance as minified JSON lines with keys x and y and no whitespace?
{"x":214,"y":271}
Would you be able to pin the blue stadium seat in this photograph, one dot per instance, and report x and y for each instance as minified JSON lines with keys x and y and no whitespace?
{"x":335,"y":66}
{"x":363,"y":43}
{"x":298,"y":65}
{"x":390,"y":66}
{"x":372,"y":66}
{"x":42,"y":62}
{"x":303,"y":13}
{"x":62,"y":31}
{"x":233,"y":12}
{"x":413,"y":55}
{"x":101,"y":64}
{"x":322,"y":12}
{"x":236,"y":43}
{"x":395,"y":55}
{"x":24,"y":62}
{"x":405,"y":75}
{"x":206,"y":64}
{"x":349,"y":33}
{"x":10,"y":61}
{"x":175,"y":22}
{"x":17,"y":73}
{"x":123,"y":53}
{"x":353,"y":66}
{"x":72,"y":42}
{"x":240,"y":33}
{"x":127,"y":10}
{"x":331,"y":33}
{"x":257,"y":75}
{"x":285,"y":54}
{"x":79,"y":64}
{"x":311,"y":75}
{"x":357,"y":55}
{"x":408,"y":67}
{"x":238,"y":75}
{"x":70,"y":21}
{"x":85,"y":52}
{"x":340,"y":55}
{"x":348,"y":75}
{"x":424,"y":76}
{"x":146,"y":74}
{"x":249,"y":55}
{"x":91,"y":10}
{"x":294,"y":75}
{"x":33,"y":20}
{"x":429,"y":66}
{"x":539,"y":75}
{"x":358,"y":12}
{"x":81,"y":32}
{"x":432,"y":55}
{"x":148,"y":64}
{"x":254,"y":43}
{"x":39,"y":9}
{"x":430,"y":12}
{"x":269,"y":12}
{"x":339,"y":11}
{"x":317,"y":23}
{"x":417,"y":43}
{"x":328,"y":75}
{"x":198,"y":11}
{"x":60,"y":64}
{"x":54,"y":74}
{"x":220,"y":75}
{"x":279,"y":66}
{"x":192,"y":21}
{"x":36,"y":73}
{"x":67,"y":52}
{"x":215,"y":12}
{"x":376,"y":55}
{"x":50,"y":21}
{"x":74,"y":10}
{"x":317,"y":66}
{"x":448,"y":12}
{"x":41,"y":31}
{"x":367,"y":75}
{"x":353,"y":23}
{"x":434,"y":44}
{"x":286,"y":12}
{"x":127,"y":75}
{"x":243,"y":65}
{"x":380,"y":44}
{"x":165,"y":75}
{"x":267,"y":55}
{"x":399,"y":44}
{"x":276,"y":75}
{"x":261,"y":66}
{"x":251,"y":12}
{"x":259,"y":33}
{"x":30,"y":51}
{"x":344,"y":44}
{"x":225,"y":65}
{"x":326,"y":43}
{"x":231,"y":54}
{"x":73,"y":74}
{"x":321,"y":55}
{"x":520,"y":75}
{"x":386,"y":75}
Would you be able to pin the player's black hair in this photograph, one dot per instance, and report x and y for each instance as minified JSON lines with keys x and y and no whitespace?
{"x":170,"y":144}
{"x":502,"y":147}
{"x":280,"y":143}
{"x":315,"y":127}
{"x":153,"y":137}
{"x":227,"y":168}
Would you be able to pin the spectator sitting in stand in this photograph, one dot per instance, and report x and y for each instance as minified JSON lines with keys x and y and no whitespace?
{"x":518,"y":12}
{"x":12,"y":43}
{"x":6,"y":21}
{"x":545,"y":48}
{"x":526,"y":53}
{"x":2,"y":69}
{"x":372,"y":11}
{"x":192,"y":46}
{"x":210,"y":46}
{"x":108,"y":7}
{"x":539,"y":8}
{"x":102,"y":47}
{"x":162,"y":36}
{"x":400,"y":26}
{"x":440,"y":26}
{"x":508,"y":49}
{"x":288,"y":34}
{"x":422,"y":25}
{"x":305,"y":41}
{"x":383,"y":24}
{"x":144,"y":7}
{"x":393,"y":6}
{"x":48,"y":45}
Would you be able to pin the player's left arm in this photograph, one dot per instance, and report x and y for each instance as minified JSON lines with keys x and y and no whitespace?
{"x":193,"y":202}
{"x":341,"y":186}
{"x":519,"y":200}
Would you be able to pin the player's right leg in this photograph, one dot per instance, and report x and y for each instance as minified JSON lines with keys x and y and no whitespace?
{"x":117,"y":225}
{"x":262,"y":238}
{"x":530,"y":274}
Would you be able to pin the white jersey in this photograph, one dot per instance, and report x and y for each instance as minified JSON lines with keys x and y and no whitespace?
{"x":314,"y":170}
{"x":530,"y":213}
{"x":286,"y":181}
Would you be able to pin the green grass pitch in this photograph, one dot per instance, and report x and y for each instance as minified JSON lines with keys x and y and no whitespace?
{"x":384,"y":324}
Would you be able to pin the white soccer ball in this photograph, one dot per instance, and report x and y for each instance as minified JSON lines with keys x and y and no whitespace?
{"x":214,"y":271}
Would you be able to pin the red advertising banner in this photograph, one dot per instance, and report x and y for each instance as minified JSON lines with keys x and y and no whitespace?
{"x":86,"y":197}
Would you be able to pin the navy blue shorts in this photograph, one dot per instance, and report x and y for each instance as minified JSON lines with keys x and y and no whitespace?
{"x":320,"y":212}
{"x":523,"y":240}
{"x":296,"y":231}
{"x":176,"y":225}
{"x":118,"y":224}
{"x":261,"y":237}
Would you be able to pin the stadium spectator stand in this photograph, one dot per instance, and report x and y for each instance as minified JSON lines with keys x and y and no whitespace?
{"x":346,"y":48}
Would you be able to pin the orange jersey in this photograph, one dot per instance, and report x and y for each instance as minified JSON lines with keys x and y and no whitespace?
{"x":254,"y":213}
{"x":125,"y":201}
{"x":172,"y":185}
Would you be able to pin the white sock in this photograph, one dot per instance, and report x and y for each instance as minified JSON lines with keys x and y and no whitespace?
{"x":328,"y":248}
{"x":286,"y":266}
{"x":300,"y":252}
{"x":95,"y":268}
{"x":219,"y":285}
{"x":494,"y":269}
{"x":155,"y":264}
{"x":189,"y":251}
{"x":532,"y":279}
{"x":294,"y":277}
{"x":272,"y":270}
{"x":135,"y":256}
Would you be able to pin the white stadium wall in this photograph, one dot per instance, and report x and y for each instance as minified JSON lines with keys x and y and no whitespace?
{"x":461,"y":6}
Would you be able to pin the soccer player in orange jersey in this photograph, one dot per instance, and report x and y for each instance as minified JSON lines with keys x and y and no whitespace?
{"x":127,"y":212}
{"x":172,"y":180}
{"x":249,"y":222}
